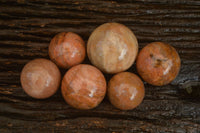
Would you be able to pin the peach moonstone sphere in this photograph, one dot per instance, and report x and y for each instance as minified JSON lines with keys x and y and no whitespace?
{"x":40,"y":78}
{"x":158,"y":63}
{"x":83,"y":86}
{"x":67,"y":49}
{"x":125,"y":91}
{"x":112,"y":47}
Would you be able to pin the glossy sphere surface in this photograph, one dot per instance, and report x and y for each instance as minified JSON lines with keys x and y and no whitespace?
{"x":40,"y":78}
{"x":83,"y":86}
{"x":125,"y":90}
{"x":158,"y":63}
{"x":112,"y":47}
{"x":67,"y":49}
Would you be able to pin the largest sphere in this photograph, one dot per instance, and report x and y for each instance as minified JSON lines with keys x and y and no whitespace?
{"x":112,"y":47}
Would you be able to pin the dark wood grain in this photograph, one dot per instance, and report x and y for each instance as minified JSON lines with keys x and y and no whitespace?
{"x":26,"y":28}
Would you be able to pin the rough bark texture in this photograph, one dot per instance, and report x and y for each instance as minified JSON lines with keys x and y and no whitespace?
{"x":26,"y":28}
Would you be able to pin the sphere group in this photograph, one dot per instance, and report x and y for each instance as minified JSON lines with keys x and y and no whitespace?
{"x":112,"y":48}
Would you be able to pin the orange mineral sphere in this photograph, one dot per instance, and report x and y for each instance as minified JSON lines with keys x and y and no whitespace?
{"x":67,"y":49}
{"x":83,"y":86}
{"x":158,"y":63}
{"x":112,"y":47}
{"x":125,"y":90}
{"x":40,"y":78}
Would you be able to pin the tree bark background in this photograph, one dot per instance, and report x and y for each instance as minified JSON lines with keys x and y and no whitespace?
{"x":26,"y":28}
